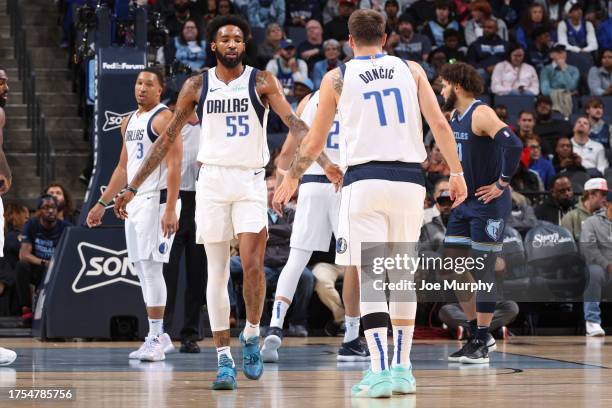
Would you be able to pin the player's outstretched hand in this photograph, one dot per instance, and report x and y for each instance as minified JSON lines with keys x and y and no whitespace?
{"x":486,"y":194}
{"x":5,"y":184}
{"x":94,"y":217}
{"x":457,"y":190}
{"x":334,"y":174}
{"x":284,"y":192}
{"x":121,"y":203}
{"x":169,"y":223}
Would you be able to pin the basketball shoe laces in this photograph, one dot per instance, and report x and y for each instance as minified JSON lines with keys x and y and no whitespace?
{"x":226,"y":368}
{"x":150,"y":344}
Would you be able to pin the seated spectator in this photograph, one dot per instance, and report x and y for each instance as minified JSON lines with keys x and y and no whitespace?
{"x":183,"y":10}
{"x":420,"y":12}
{"x":489,"y":49}
{"x":39,"y":238}
{"x":526,"y":180}
{"x":502,"y":113}
{"x":331,"y":61}
{"x":548,"y":127}
{"x":593,"y":198}
{"x":596,"y":246}
{"x":262,"y":13}
{"x":600,"y":130}
{"x":437,"y":59}
{"x":565,"y":160}
{"x":513,"y":76}
{"x":326,"y":275}
{"x":276,"y":256}
{"x":508,"y":10}
{"x":407,"y":44}
{"x":299,"y":12}
{"x":600,"y":78}
{"x":526,"y":123}
{"x":538,"y":54}
{"x":534,"y":18}
{"x":188,"y":48}
{"x":216,"y":8}
{"x":604,"y":34}
{"x":452,"y":46}
{"x":287,"y":67}
{"x":522,"y":217}
{"x":436,"y":166}
{"x":554,"y":9}
{"x":475,"y":27}
{"x":458,"y":326}
{"x":311,"y":49}
{"x":337,"y":28}
{"x":560,"y":80}
{"x":558,"y":203}
{"x":434,"y":29}
{"x":15,"y":217}
{"x":392,"y":12}
{"x":434,"y":231}
{"x":65,"y":209}
{"x":300,"y":90}
{"x":577,"y":35}
{"x":538,"y":163}
{"x":271,"y":45}
{"x":592,"y":153}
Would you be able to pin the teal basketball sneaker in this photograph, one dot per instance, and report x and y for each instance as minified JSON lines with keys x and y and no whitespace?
{"x":374,"y":385}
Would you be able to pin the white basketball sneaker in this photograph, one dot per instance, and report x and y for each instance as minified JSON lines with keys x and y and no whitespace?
{"x":166,"y":342}
{"x":594,"y":330}
{"x":135,"y":355}
{"x":153,"y":350}
{"x":7,"y":356}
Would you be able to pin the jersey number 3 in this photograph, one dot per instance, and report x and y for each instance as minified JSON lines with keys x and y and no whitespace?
{"x":378,"y":97}
{"x":232,"y":127}
{"x":140,"y":151}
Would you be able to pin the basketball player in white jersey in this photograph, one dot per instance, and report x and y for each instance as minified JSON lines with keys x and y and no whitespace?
{"x":315,"y":220}
{"x":153,"y":214}
{"x":232,"y":103}
{"x":379,"y":100}
{"x":6,"y":356}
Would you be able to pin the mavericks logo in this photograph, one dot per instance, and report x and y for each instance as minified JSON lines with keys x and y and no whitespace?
{"x":101,"y":267}
{"x":113,"y":120}
{"x":341,"y":245}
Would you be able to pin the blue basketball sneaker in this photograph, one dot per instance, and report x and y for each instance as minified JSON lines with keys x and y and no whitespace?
{"x":374,"y":385}
{"x":251,"y":358}
{"x":226,"y":375}
{"x":403,"y":380}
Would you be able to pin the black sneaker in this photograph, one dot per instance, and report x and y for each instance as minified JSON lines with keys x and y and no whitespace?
{"x":491,"y":344}
{"x":456,"y":356}
{"x":477,"y":352}
{"x":189,"y":346}
{"x":353,"y":350}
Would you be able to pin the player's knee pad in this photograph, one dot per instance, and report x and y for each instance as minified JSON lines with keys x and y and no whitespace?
{"x":153,"y":283}
{"x":374,"y":320}
{"x":217,"y":298}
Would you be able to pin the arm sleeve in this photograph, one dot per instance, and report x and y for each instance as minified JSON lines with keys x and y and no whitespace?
{"x":591,"y":38}
{"x":512,"y":148}
{"x":595,"y":83}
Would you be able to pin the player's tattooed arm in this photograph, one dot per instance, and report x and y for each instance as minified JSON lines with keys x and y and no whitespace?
{"x":185,"y":105}
{"x":270,"y":88}
{"x":337,"y":80}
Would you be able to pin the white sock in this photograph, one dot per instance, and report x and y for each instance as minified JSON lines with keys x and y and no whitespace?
{"x":402,"y":340}
{"x":224,"y":351}
{"x":251,"y":330}
{"x":352,"y":328}
{"x":279,"y":311}
{"x":377,"y":344}
{"x":156,"y":327}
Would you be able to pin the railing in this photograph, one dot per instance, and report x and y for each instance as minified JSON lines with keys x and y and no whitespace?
{"x":41,"y":143}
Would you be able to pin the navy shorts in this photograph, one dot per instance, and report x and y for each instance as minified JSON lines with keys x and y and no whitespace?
{"x":479,"y":225}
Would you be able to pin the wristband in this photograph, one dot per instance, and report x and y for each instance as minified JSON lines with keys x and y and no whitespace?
{"x":132,"y":189}
{"x":499,"y":186}
{"x":102,"y":203}
{"x":460,"y":174}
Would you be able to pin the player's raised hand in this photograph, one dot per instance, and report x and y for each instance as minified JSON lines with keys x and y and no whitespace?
{"x":121,"y":203}
{"x":285,"y":191}
{"x":486,"y":194}
{"x":94,"y":217}
{"x":457,"y":190}
{"x":334,"y":174}
{"x":169,"y":223}
{"x":5,"y":184}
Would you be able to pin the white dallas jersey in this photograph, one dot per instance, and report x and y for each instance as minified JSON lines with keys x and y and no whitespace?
{"x":332,"y":145}
{"x":233,"y":121}
{"x":139,"y":137}
{"x":189,"y":166}
{"x":380,"y":117}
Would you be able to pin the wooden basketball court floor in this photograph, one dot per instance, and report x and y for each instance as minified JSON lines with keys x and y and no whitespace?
{"x":524,"y":372}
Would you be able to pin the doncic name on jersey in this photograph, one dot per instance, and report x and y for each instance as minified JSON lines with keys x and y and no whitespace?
{"x":102,"y":266}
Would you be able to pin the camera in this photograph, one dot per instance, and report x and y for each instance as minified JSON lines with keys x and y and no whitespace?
{"x":157,"y":33}
{"x":178,"y":67}
{"x":86,"y":16}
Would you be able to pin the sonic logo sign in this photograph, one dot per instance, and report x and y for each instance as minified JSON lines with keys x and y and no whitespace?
{"x":113,"y":120}
{"x":101,"y":267}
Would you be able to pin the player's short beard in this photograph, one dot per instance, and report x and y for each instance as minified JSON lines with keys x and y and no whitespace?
{"x":229,"y":63}
{"x":3,"y":100}
{"x":449,"y":103}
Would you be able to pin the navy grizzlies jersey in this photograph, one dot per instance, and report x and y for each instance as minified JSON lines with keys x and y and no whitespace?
{"x":480,"y":156}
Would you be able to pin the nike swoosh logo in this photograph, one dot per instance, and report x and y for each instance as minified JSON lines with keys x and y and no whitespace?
{"x":257,"y":172}
{"x":358,"y":352}
{"x":213,"y":90}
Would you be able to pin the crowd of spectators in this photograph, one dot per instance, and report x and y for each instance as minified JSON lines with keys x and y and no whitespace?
{"x":553,"y":57}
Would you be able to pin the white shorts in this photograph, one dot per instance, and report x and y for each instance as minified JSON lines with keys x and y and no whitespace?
{"x":229,"y":201}
{"x":377,"y":210}
{"x":316,"y":216}
{"x":143,"y":234}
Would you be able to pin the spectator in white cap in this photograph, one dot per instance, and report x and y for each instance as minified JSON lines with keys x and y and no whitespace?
{"x":593,"y":198}
{"x":592,"y":153}
{"x":596,"y":246}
